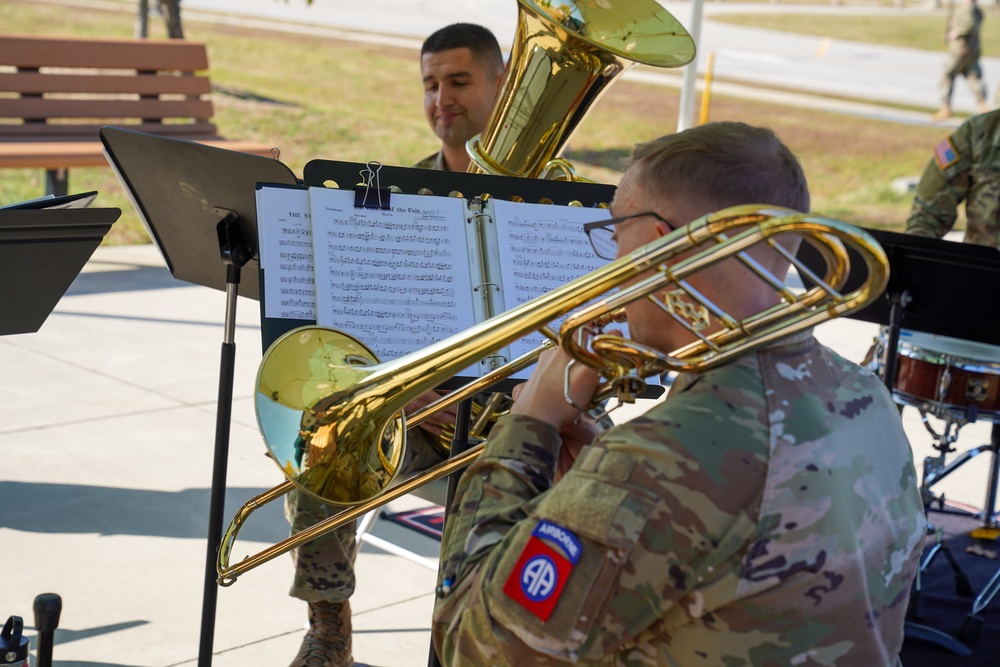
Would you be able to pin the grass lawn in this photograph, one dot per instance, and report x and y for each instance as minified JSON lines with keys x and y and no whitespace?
{"x":925,"y":30}
{"x":317,"y":98}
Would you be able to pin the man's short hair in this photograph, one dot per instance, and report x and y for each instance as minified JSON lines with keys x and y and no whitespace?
{"x":479,"y":40}
{"x":723,"y":164}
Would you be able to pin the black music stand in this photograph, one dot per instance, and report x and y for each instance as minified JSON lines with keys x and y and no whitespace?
{"x":935,"y":287}
{"x":198,"y":205}
{"x":41,"y":253}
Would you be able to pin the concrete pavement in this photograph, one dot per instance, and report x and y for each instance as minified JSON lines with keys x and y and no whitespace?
{"x":107,"y":435}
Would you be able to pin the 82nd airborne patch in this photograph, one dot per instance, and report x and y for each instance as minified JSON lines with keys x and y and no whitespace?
{"x":541,"y":572}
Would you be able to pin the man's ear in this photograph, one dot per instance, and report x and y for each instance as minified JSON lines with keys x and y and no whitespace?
{"x":662,"y":229}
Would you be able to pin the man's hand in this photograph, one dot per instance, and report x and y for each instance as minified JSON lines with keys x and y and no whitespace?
{"x":435,"y":422}
{"x":543,"y":396}
{"x":574,"y":438}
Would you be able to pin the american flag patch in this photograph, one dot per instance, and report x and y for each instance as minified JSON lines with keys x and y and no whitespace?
{"x":945,"y":154}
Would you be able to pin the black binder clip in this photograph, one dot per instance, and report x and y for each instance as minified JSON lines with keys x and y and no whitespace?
{"x":369,"y":193}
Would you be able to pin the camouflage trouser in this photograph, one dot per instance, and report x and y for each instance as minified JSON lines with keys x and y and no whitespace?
{"x":962,"y":63}
{"x":324,"y":567}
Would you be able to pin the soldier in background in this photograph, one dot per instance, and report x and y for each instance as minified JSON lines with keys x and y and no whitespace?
{"x":965,"y":167}
{"x":461,"y":67}
{"x":749,"y":518}
{"x":963,"y":58}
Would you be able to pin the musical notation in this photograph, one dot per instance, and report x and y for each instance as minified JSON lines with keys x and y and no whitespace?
{"x":400,"y":277}
{"x":285,"y":239}
{"x":541,"y":248}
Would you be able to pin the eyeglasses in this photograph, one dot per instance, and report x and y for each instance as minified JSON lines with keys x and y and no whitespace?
{"x":602,"y":233}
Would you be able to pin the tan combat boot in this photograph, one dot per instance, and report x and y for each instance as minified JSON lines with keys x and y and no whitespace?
{"x":942,"y":113}
{"x":328,"y":641}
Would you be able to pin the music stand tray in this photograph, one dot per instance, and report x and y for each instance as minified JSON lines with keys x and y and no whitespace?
{"x":182,"y":190}
{"x":41,"y":253}
{"x":940,"y":287}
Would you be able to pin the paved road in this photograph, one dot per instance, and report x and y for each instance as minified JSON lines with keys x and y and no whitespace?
{"x":815,"y":65}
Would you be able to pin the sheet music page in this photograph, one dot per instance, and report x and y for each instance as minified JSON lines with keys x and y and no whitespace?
{"x":542,"y":247}
{"x":284,"y":234}
{"x":397,"y":279}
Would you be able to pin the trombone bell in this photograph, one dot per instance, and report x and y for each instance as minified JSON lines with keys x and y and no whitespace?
{"x":318,"y":451}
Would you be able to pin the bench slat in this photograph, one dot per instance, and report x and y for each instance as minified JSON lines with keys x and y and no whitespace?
{"x":32,"y":107}
{"x":99,"y":84}
{"x":147,"y":54}
{"x":54,"y":155}
{"x":89,"y":131}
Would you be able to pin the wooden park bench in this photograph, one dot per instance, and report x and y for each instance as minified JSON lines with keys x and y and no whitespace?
{"x":57,"y":92}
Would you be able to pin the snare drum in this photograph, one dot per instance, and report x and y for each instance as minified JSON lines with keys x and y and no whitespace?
{"x":942,"y":375}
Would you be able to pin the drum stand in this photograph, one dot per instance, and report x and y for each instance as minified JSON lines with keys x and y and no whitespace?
{"x":935,"y":470}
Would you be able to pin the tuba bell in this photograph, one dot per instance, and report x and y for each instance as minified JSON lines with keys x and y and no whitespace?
{"x":566,"y":53}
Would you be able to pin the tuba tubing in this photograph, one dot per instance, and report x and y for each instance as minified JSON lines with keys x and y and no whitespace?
{"x":368,"y":399}
{"x":564,"y":57}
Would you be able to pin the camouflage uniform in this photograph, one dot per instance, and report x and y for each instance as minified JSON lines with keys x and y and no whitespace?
{"x":965,"y":167}
{"x":324,"y":567}
{"x":435,"y":161}
{"x":963,"y":54}
{"x":766,"y":513}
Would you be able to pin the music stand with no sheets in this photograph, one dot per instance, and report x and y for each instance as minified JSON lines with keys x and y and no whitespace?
{"x":198,"y":204}
{"x":41,"y":253}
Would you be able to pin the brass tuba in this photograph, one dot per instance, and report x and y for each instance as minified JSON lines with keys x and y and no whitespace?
{"x":320,"y":391}
{"x":566,"y":53}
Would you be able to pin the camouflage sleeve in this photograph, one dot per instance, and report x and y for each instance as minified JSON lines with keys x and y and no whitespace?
{"x":517,"y":465}
{"x":943,"y":185}
{"x":530,"y":581}
{"x":964,"y":22}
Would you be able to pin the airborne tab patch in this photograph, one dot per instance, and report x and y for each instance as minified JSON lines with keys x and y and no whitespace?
{"x":564,"y":538}
{"x":945,"y":154}
{"x":541,"y":572}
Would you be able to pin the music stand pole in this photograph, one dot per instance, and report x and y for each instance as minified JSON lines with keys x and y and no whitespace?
{"x":459,"y":444}
{"x":897,"y":304}
{"x":235,"y":254}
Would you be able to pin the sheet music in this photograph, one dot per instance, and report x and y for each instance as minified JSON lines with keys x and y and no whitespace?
{"x":286,"y":252}
{"x":542,"y":247}
{"x":397,"y":279}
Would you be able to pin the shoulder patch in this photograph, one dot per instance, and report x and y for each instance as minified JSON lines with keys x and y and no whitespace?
{"x":945,"y":154}
{"x":541,"y":572}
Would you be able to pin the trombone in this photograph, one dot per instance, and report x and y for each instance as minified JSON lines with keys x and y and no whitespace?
{"x":332,"y":416}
